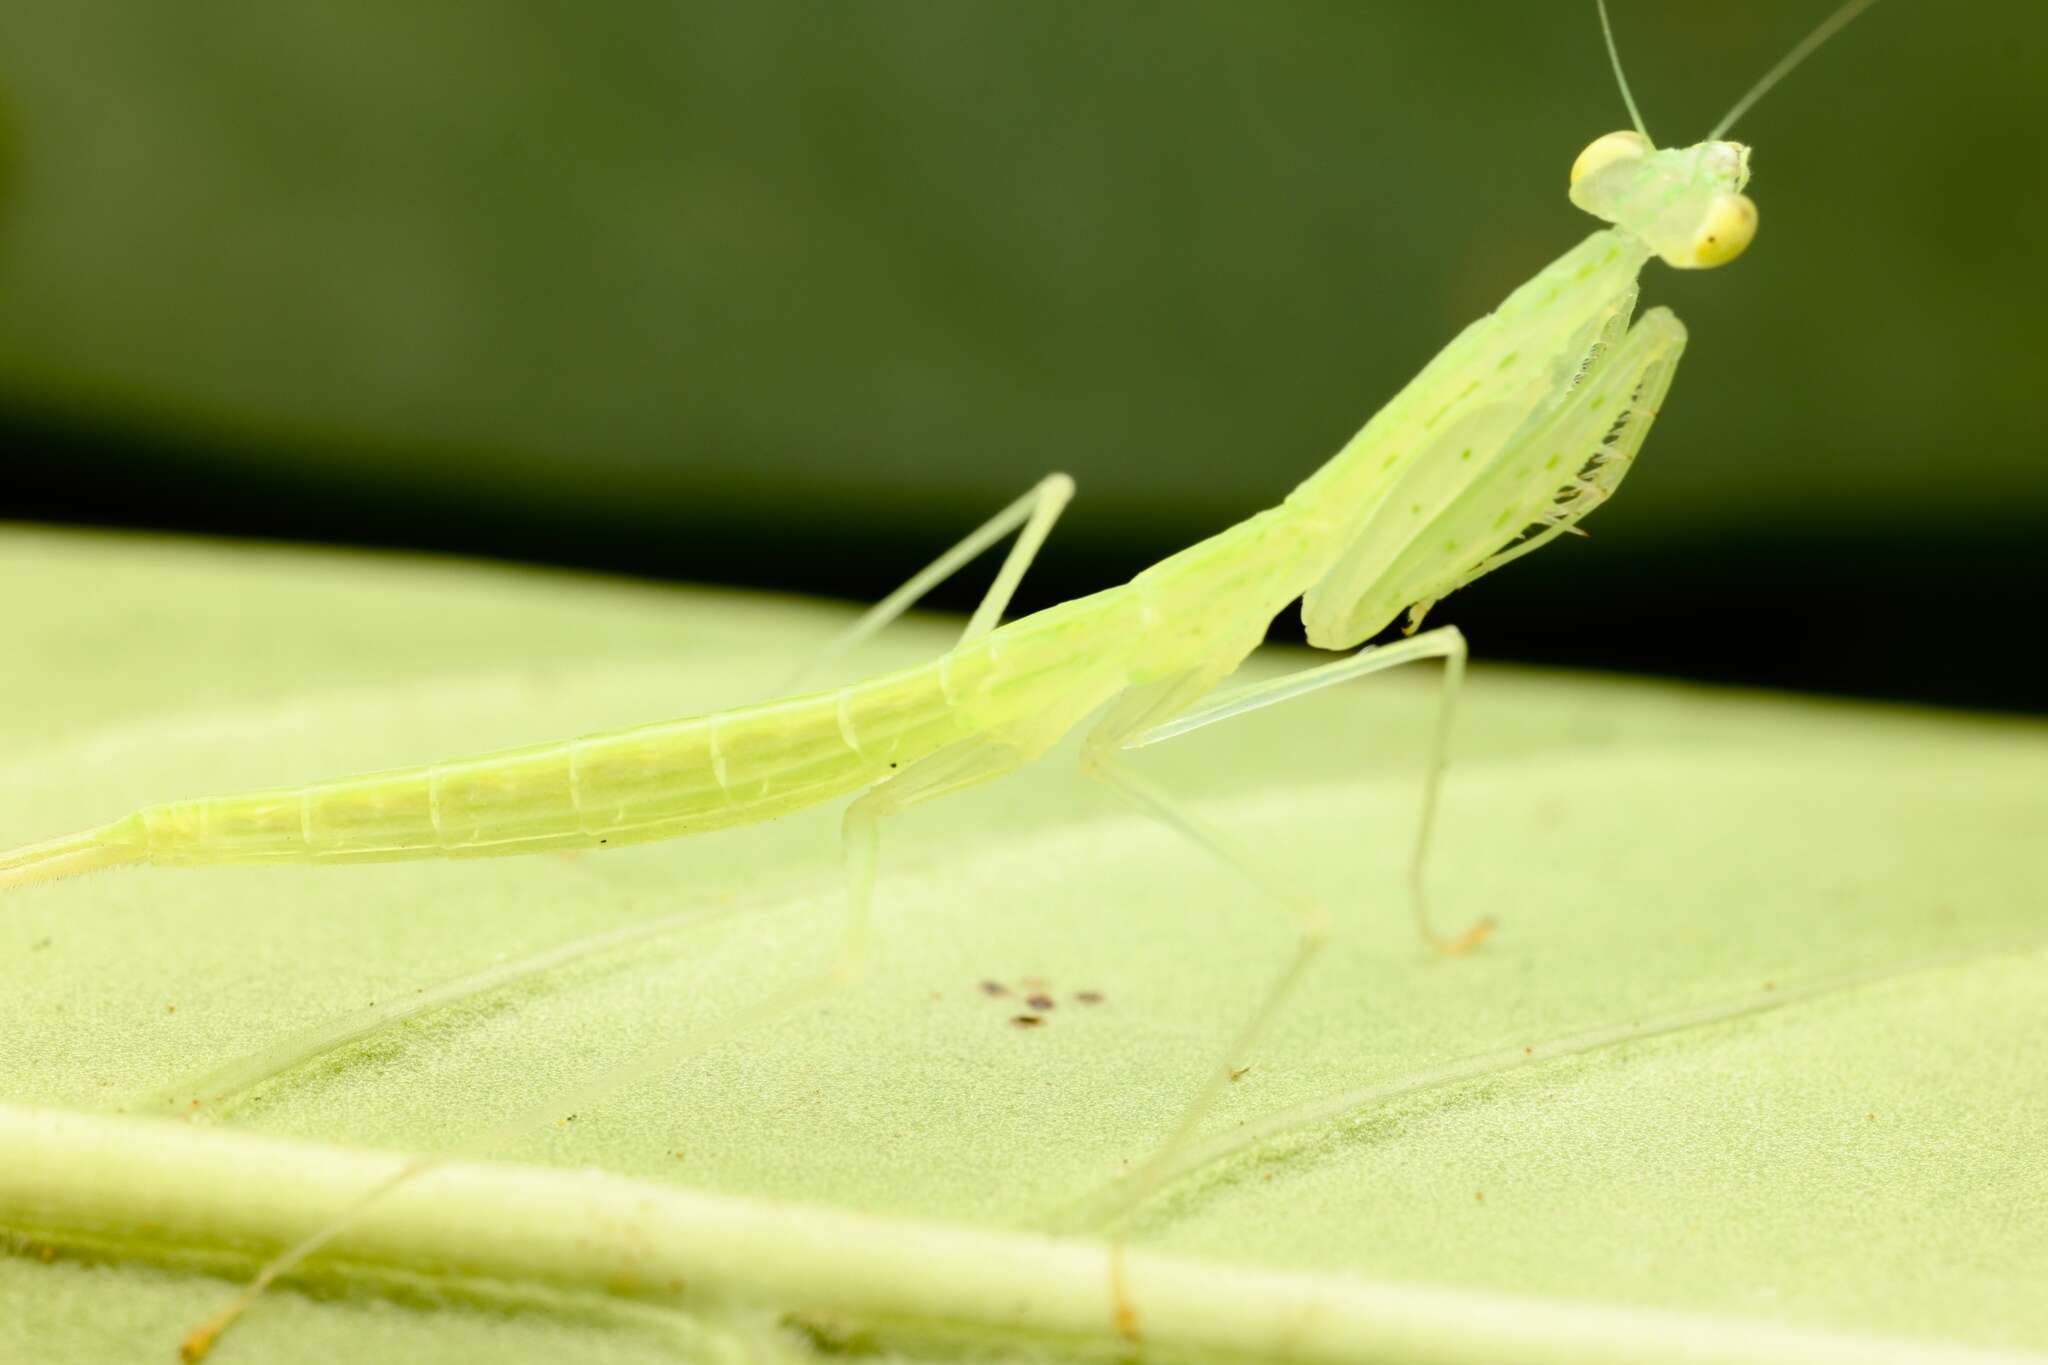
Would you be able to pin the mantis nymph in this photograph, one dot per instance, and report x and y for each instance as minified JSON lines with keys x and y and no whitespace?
{"x":1520,"y":427}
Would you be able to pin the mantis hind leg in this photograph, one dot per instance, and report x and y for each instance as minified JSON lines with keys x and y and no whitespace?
{"x":1034,"y":513}
{"x":1181,"y":706}
{"x":949,"y":770}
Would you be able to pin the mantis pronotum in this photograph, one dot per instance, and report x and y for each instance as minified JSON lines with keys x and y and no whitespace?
{"x":1514,"y":432}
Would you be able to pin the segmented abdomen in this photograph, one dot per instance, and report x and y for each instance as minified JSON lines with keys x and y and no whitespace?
{"x":673,"y":778}
{"x":652,"y":782}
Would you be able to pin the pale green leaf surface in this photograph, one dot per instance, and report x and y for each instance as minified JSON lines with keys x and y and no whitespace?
{"x":1854,"y":1145}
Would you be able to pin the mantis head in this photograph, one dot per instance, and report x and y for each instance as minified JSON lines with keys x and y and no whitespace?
{"x":1686,"y":203}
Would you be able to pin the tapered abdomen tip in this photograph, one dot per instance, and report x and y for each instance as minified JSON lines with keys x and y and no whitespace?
{"x":107,"y":846}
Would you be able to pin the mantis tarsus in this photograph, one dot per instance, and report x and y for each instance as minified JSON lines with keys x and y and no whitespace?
{"x":1513,"y":433}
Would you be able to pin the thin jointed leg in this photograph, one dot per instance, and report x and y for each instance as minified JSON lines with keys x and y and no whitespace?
{"x":1312,"y":929}
{"x":946,"y":771}
{"x":1035,"y":512}
{"x":1446,"y":643}
{"x":1176,"y":708}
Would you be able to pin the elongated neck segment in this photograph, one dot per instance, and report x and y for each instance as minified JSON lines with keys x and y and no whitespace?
{"x":1402,"y":498}
{"x":1482,"y":384}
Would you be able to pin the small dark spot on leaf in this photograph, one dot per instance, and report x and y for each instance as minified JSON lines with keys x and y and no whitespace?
{"x":1041,"y":1003}
{"x":1088,"y":997}
{"x":1479,"y":1196}
{"x":1528,"y":1052}
{"x":1237,"y":1073}
{"x":1770,"y":985}
{"x":1026,"y":1020}
{"x":892,"y":765}
{"x":994,"y":988}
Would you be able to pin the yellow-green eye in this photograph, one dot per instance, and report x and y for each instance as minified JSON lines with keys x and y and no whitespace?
{"x":1727,"y":229}
{"x":1603,"y":152}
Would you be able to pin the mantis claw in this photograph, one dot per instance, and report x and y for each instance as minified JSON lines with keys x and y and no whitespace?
{"x":1465,"y":942}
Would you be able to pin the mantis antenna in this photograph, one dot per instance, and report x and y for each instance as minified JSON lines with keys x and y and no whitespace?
{"x":1614,"y":56}
{"x":1828,"y":28}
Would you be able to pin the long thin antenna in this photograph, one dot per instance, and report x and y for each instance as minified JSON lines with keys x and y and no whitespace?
{"x":1614,"y":55}
{"x":1829,"y":27}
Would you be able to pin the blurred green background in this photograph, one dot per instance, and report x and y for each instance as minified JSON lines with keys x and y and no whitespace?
{"x":789,"y":293}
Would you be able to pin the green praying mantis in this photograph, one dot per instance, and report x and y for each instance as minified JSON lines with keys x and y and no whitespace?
{"x":1519,"y":428}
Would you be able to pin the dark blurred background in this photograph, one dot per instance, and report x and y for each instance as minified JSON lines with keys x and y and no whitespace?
{"x":790,"y":293}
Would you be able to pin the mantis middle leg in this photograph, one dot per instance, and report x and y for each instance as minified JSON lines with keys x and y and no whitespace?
{"x":1180,"y":706}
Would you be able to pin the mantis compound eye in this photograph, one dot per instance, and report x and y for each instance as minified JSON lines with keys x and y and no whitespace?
{"x":1604,"y":151}
{"x":1725,"y":231}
